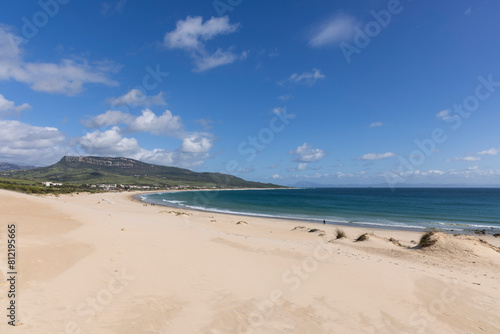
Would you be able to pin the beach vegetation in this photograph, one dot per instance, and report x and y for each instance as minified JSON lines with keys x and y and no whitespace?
{"x":363,"y":237}
{"x":340,"y":234}
{"x":396,"y":242}
{"x":427,"y":239}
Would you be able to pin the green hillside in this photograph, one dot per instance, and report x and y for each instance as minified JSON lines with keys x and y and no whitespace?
{"x":103,"y":170}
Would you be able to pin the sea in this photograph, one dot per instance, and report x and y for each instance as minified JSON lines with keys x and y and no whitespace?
{"x":459,"y":210}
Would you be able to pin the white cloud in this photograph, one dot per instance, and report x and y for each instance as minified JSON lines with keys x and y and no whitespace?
{"x":67,"y":77}
{"x":193,"y":151}
{"x":444,"y":115}
{"x":165,"y":124}
{"x":377,"y":156}
{"x":172,"y":158}
{"x":136,"y":97}
{"x":468,"y":11}
{"x":306,"y":153}
{"x":196,"y":144}
{"x":277,"y":176}
{"x":491,"y":151}
{"x":460,"y":176}
{"x":26,"y":144}
{"x":159,"y":157}
{"x":7,"y":107}
{"x":113,"y":143}
{"x":302,"y":166}
{"x":333,"y":31}
{"x":109,"y":118}
{"x":376,"y":124}
{"x":307,"y":78}
{"x":192,"y":33}
{"x":468,"y":159}
{"x":109,"y":143}
{"x":206,"y":61}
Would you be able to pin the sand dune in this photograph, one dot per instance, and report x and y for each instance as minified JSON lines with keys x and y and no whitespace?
{"x":107,"y":264}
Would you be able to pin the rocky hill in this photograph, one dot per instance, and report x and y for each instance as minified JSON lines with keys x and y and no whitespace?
{"x":104,"y":170}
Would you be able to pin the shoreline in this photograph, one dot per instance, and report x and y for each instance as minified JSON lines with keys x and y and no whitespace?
{"x":471,"y":231}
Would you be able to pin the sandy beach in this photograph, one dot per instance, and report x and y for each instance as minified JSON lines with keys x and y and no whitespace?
{"x":104,"y":263}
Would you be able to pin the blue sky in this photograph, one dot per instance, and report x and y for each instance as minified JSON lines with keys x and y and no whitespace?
{"x":375,"y":92}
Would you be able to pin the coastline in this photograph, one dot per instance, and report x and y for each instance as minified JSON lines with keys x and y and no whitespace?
{"x":470,"y":230}
{"x":105,"y":263}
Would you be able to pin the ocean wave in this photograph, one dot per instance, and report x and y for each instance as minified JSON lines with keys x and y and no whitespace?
{"x":284,"y":208}
{"x":173,"y":201}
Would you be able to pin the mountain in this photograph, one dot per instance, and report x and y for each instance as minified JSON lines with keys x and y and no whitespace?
{"x":103,"y":170}
{"x":8,"y":166}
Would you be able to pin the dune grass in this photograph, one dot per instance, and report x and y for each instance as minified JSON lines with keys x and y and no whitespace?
{"x":340,"y":234}
{"x":363,"y":237}
{"x":426,"y":240}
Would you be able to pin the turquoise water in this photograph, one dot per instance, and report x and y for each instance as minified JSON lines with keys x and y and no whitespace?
{"x":415,"y":209}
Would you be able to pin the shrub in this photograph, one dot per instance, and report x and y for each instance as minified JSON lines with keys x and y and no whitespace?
{"x":427,"y":240}
{"x":341,"y":234}
{"x":362,"y":237}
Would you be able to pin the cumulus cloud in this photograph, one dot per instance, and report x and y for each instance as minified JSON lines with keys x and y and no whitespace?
{"x":112,"y":143}
{"x":9,"y":107}
{"x":377,"y":156}
{"x":109,"y":118}
{"x":302,"y":166}
{"x":26,"y":144}
{"x":205,"y":62}
{"x":196,"y":143}
{"x":306,"y":78}
{"x":306,"y":153}
{"x":193,"y":151}
{"x":165,"y":124}
{"x":333,"y":31}
{"x":66,"y":77}
{"x":491,"y":151}
{"x":109,"y":143}
{"x":191,"y":34}
{"x":136,"y":97}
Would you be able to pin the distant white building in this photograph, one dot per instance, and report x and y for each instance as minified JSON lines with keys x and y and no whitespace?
{"x":51,"y":184}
